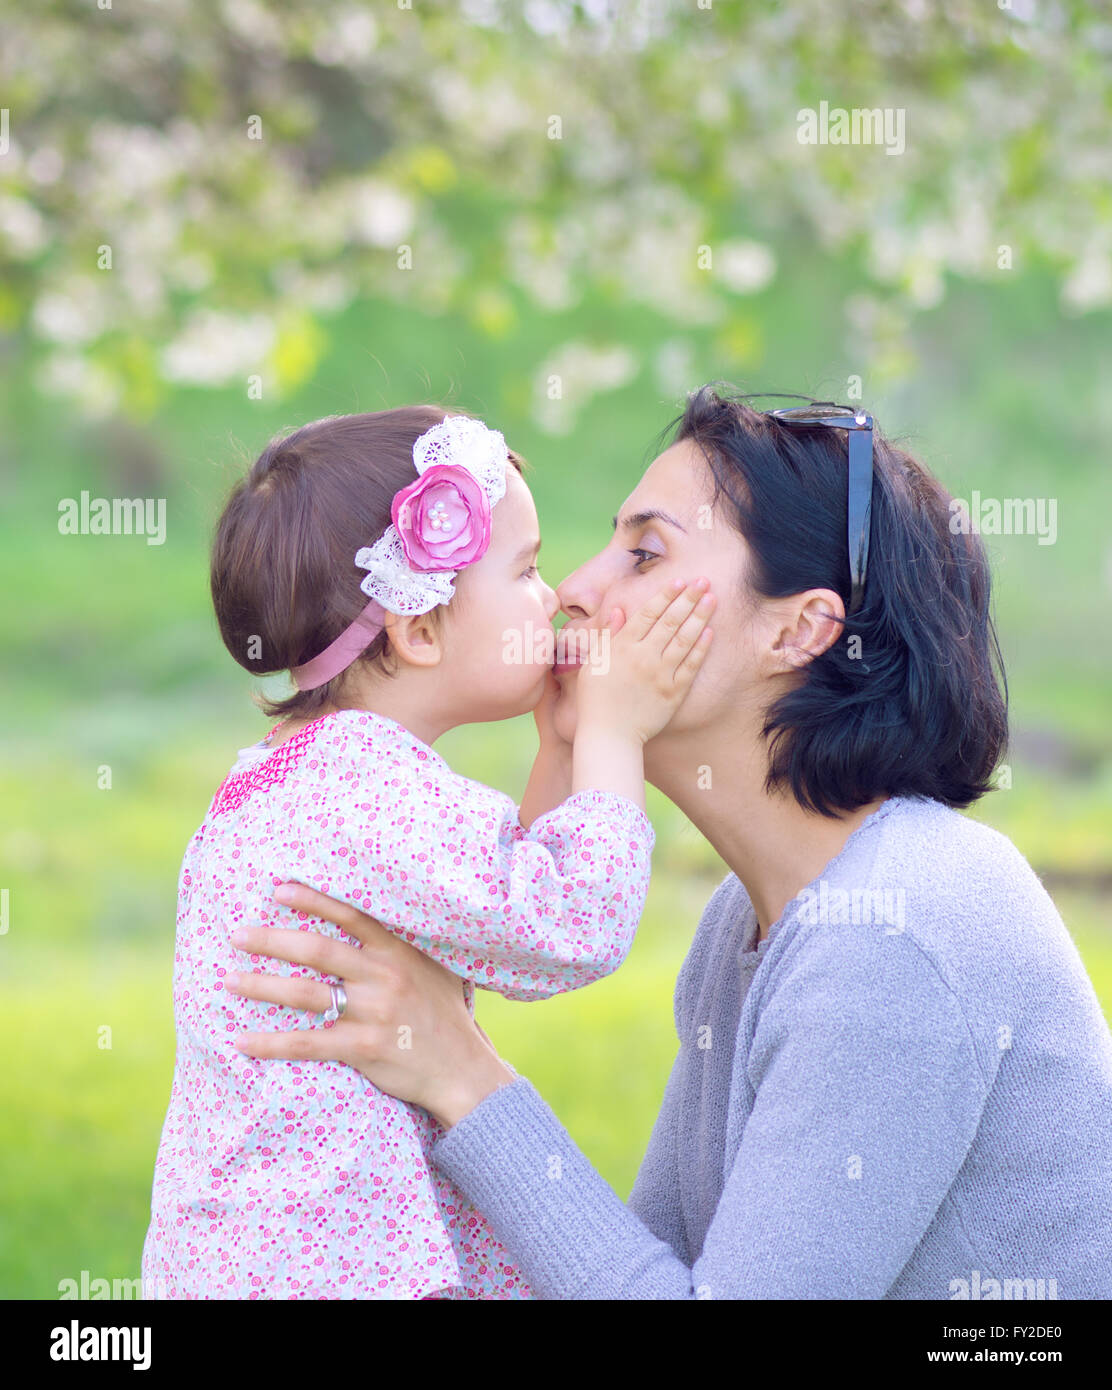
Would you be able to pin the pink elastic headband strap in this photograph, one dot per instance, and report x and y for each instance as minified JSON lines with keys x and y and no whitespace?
{"x":338,"y":656}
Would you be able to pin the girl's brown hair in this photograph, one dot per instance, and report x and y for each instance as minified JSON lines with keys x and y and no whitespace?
{"x":283,"y":575}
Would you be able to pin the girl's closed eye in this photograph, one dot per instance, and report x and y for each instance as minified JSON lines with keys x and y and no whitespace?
{"x":529,"y":573}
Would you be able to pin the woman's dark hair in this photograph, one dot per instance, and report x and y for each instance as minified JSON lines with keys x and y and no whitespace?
{"x":283,"y":575}
{"x":906,"y":701}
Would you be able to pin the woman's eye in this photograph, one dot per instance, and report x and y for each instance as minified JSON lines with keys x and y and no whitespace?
{"x":643,"y":556}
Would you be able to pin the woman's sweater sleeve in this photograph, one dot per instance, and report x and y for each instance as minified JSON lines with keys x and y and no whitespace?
{"x":445,"y":863}
{"x":868,"y":1093}
{"x":656,"y":1189}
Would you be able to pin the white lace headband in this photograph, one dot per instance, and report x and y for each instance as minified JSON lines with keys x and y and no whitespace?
{"x":440,"y":523}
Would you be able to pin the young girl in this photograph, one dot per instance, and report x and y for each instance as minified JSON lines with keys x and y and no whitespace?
{"x":281,"y":1179}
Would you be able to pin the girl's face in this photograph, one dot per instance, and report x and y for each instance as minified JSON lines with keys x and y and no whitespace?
{"x":498,"y":633}
{"x":666,"y":529}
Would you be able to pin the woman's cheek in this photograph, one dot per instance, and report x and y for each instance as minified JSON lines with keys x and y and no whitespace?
{"x":715,"y":691}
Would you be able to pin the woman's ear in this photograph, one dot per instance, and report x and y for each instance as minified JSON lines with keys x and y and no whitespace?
{"x":813,"y":623}
{"x":414,"y":638}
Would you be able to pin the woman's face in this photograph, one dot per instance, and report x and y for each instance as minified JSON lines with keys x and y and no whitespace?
{"x":666,"y":529}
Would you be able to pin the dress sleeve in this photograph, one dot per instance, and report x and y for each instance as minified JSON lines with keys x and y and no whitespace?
{"x":868,"y":1093}
{"x":446,"y":864}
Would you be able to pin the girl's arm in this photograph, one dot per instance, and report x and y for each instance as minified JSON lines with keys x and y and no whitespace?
{"x":526,"y":914}
{"x":549,"y":784}
{"x":550,"y":780}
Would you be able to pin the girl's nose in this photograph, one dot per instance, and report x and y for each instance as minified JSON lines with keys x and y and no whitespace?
{"x":551,"y":602}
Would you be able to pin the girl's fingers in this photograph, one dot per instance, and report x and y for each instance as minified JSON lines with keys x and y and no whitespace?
{"x":685,"y":671}
{"x":687,"y":634}
{"x":675,"y":615}
{"x":310,"y":948}
{"x":309,"y":995}
{"x":642,"y":621}
{"x":349,"y":919}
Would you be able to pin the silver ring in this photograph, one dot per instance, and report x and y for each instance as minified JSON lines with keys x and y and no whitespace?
{"x":339,"y":1003}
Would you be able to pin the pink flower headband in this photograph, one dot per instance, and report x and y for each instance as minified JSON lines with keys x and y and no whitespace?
{"x":441,"y":523}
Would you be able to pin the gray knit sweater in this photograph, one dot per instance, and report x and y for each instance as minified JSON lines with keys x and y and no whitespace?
{"x":905,"y":1091}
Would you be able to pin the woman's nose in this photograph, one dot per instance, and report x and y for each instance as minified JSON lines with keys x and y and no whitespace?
{"x":576,"y":595}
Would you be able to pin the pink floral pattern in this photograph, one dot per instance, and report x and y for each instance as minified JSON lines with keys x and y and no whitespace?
{"x":279,"y":1179}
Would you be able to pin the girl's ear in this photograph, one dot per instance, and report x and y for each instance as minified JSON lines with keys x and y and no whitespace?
{"x":414,"y":638}
{"x":814,"y":623}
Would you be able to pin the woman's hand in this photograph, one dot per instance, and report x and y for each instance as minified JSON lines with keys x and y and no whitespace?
{"x":406,"y":1026}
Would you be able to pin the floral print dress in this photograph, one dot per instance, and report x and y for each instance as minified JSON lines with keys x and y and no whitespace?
{"x":283,"y":1179}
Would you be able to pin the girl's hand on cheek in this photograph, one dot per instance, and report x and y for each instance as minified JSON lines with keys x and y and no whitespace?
{"x":648,"y":663}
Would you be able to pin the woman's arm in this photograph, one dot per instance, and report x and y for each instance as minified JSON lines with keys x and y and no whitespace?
{"x":868,"y":1095}
{"x":656,"y":1189}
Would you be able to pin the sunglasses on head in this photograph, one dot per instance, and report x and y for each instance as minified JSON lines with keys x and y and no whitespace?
{"x":859,"y":423}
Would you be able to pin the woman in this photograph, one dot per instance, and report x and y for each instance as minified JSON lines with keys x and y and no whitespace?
{"x":894,"y":1079}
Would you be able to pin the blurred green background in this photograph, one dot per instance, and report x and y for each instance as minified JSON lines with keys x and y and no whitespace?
{"x":560,"y":288}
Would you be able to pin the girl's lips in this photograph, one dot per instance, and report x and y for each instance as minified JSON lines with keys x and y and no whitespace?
{"x":571,"y":650}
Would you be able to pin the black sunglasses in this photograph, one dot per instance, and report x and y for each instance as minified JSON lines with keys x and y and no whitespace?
{"x":859,"y":503}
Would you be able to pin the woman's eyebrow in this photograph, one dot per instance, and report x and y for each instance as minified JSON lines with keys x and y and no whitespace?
{"x":630,"y":523}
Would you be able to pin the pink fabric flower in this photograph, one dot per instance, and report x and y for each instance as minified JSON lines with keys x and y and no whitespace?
{"x":443,"y":518}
